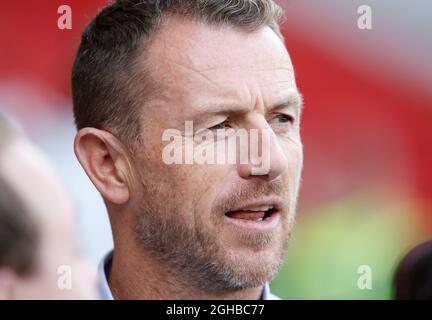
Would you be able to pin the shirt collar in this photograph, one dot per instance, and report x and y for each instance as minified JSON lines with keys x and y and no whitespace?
{"x":104,"y":270}
{"x":105,"y":292}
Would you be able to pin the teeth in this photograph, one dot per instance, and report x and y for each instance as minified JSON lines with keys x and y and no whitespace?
{"x":263,"y":208}
{"x":260,"y":219}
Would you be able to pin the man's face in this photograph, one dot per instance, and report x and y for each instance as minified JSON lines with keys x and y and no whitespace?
{"x":195,"y":218}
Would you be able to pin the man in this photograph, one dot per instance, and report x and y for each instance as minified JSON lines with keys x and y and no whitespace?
{"x":38,"y":251}
{"x":189,"y":230}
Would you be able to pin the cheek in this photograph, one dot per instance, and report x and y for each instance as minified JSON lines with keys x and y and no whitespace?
{"x":294,"y":156}
{"x":202,"y":184}
{"x":294,"y":153}
{"x":207,"y":178}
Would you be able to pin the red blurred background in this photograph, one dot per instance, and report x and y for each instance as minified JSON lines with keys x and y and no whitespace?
{"x":368,"y":99}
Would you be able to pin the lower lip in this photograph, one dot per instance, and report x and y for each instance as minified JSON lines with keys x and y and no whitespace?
{"x":259,"y":226}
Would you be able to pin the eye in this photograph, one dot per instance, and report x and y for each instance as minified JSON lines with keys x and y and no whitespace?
{"x":222,"y":125}
{"x":284,"y":118}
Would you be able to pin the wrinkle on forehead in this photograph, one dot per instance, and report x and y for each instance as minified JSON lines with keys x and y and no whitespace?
{"x":286,"y":71}
{"x":197,"y":46}
{"x":195,"y":64}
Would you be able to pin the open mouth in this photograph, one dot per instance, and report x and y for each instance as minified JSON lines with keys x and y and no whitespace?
{"x":256,"y":214}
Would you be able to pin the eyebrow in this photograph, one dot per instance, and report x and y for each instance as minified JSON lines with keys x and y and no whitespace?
{"x":292,"y":100}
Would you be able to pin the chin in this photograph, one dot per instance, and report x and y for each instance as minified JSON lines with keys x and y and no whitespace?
{"x":254,"y":266}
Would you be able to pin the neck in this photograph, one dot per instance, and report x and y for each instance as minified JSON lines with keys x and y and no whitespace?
{"x":136,"y":276}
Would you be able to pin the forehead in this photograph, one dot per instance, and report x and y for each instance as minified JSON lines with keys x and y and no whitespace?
{"x":191,"y":60}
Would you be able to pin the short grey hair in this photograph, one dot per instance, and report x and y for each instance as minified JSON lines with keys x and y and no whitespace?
{"x":105,"y":89}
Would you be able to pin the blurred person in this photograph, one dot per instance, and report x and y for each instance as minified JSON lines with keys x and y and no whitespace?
{"x":188,"y":231}
{"x":413,"y":276}
{"x":39,"y":256}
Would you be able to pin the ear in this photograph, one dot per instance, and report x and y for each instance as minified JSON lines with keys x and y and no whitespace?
{"x":105,"y":160}
{"x":7,"y":283}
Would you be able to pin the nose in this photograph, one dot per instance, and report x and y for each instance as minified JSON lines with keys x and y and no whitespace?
{"x":265,"y":157}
